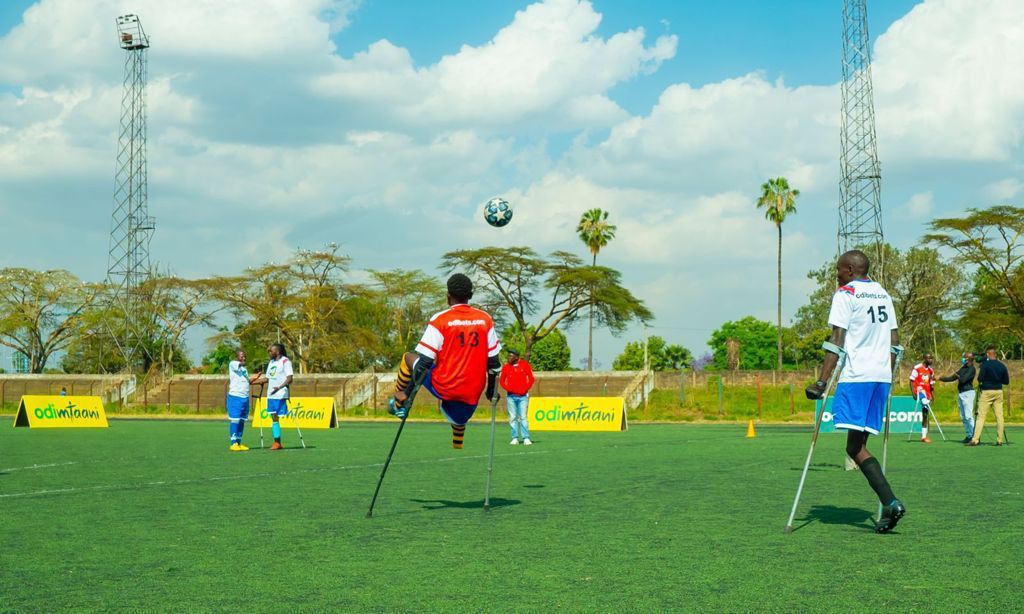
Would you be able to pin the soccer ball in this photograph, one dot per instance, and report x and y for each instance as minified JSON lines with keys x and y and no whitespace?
{"x":497,"y":212}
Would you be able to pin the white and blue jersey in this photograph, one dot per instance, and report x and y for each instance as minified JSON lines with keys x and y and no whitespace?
{"x":865,"y":310}
{"x":278,"y":372}
{"x":238,"y":391}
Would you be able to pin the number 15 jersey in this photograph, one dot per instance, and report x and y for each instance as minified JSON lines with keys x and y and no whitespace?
{"x":460,"y":340}
{"x":865,"y":310}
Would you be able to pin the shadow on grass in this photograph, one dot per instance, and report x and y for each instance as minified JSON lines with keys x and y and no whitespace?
{"x":533,"y":486}
{"x":818,"y":467}
{"x":830,"y":514}
{"x":443,"y":504}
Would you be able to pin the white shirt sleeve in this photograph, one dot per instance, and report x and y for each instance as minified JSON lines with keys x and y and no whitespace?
{"x":431,"y":342}
{"x":493,"y":345}
{"x":841,"y":311}
{"x":286,"y":368}
{"x":892,"y":318}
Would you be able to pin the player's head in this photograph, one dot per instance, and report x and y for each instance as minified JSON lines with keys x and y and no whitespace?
{"x":276,"y":350}
{"x":460,"y":289}
{"x":240,"y":356}
{"x":852,"y":265}
{"x":513,"y":356}
{"x":990,"y":352}
{"x":927,"y":359}
{"x":968,"y":358}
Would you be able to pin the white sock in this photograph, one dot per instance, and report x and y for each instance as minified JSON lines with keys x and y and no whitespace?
{"x":924,"y":432}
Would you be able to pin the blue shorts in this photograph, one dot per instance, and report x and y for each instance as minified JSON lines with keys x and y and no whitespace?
{"x":457,"y":412}
{"x":238,"y":408}
{"x":859,"y":406}
{"x":277,"y":407}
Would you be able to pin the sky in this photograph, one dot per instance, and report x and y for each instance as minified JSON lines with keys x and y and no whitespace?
{"x":384,"y":125}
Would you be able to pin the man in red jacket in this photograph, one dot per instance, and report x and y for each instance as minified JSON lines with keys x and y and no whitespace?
{"x":517,"y":379}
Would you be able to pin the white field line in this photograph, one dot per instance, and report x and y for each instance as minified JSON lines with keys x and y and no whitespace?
{"x":31,"y":467}
{"x":103,"y":487}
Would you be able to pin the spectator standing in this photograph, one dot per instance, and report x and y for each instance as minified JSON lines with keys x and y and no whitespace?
{"x":964,"y":377}
{"x":992,"y":376}
{"x":517,"y":379}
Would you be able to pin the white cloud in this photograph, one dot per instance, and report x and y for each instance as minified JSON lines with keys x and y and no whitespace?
{"x":1004,"y":189}
{"x":547,"y":61}
{"x":919,"y":207}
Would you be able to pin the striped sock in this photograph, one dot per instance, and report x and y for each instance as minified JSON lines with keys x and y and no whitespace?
{"x":458,"y":433}
{"x":404,"y":376}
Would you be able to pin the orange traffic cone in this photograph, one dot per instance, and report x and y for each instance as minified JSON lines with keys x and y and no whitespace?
{"x":750,"y":430}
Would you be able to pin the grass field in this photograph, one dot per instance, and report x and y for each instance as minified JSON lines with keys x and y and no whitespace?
{"x":159,"y":516}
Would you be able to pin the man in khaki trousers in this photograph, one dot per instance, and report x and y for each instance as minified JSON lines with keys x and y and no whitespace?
{"x":992,"y":376}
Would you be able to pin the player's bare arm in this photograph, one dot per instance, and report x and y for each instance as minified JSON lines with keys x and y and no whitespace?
{"x":838,"y":339}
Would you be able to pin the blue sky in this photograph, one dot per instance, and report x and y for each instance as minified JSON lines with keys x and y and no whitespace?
{"x":279,"y":126}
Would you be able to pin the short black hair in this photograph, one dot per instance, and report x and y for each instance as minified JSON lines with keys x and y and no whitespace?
{"x":460,"y":287}
{"x":990,"y":348}
{"x":858,"y":260}
{"x":513,"y":351}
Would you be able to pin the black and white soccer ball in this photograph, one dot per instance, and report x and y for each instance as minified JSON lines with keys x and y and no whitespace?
{"x":497,"y":212}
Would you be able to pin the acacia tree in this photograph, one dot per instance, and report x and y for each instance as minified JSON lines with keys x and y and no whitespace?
{"x":304,"y":302}
{"x":518,"y":283}
{"x":778,"y":201}
{"x":409,"y":298}
{"x":174,"y":306}
{"x":595,"y":232}
{"x":41,"y":312}
{"x":993,"y":241}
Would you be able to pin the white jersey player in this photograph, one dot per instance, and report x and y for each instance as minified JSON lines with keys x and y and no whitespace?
{"x":864,"y":329}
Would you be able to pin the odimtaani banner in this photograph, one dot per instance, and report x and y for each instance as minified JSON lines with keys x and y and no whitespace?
{"x":54,"y":411}
{"x":304,"y":412}
{"x":577,"y":414}
{"x":904,"y":415}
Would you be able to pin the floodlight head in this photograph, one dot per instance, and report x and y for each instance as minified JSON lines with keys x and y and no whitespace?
{"x":130,"y":33}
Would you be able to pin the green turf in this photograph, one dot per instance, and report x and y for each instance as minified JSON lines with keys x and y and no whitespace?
{"x":159,"y":516}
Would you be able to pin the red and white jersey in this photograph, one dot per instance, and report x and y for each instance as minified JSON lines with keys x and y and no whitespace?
{"x":460,"y":340}
{"x":922,"y":377}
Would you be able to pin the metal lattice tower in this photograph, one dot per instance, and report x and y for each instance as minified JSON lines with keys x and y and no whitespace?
{"x":131,"y":225}
{"x":860,"y":205}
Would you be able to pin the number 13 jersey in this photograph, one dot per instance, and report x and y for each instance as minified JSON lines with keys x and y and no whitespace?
{"x":460,"y":340}
{"x":865,"y":310}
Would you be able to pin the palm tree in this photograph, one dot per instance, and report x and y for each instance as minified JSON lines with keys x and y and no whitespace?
{"x":595,"y":232}
{"x":778,"y":200}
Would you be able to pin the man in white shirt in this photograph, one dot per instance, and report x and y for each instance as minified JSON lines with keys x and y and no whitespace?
{"x":238,"y":400}
{"x":278,"y":377}
{"x":863,"y":323}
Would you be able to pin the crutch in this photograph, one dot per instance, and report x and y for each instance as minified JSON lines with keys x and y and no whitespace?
{"x":301,"y":440}
{"x":401,"y":425}
{"x":898,"y":351}
{"x":490,"y":458}
{"x":817,"y":428}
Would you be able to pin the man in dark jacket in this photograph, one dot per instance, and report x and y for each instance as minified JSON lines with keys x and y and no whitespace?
{"x":992,"y":376}
{"x":964,"y":379}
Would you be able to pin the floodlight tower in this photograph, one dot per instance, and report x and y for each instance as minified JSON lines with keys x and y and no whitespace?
{"x":131,"y":225}
{"x":860,"y":205}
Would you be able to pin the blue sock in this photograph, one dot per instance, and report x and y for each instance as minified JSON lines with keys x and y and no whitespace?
{"x":241,"y":427}
{"x":275,"y":428}
{"x":233,"y":429}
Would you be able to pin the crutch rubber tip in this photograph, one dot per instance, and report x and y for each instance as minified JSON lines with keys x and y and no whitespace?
{"x":369,"y":514}
{"x":487,"y":508}
{"x":788,"y":530}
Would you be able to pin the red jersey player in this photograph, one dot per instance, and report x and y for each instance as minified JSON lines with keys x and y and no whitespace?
{"x":455,"y":360}
{"x":922,"y":383}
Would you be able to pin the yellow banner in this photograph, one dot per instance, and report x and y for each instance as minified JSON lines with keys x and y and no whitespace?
{"x":577,"y":414}
{"x":304,"y":412}
{"x":42,"y":412}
